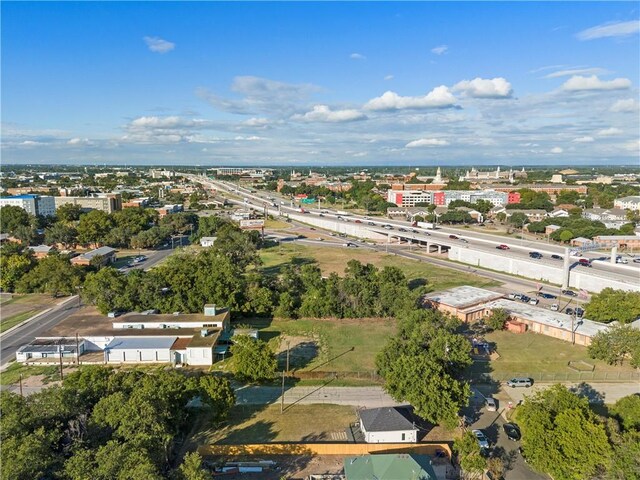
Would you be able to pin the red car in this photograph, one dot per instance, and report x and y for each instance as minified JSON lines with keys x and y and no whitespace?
{"x":503,"y":247}
{"x":584,"y":261}
{"x":358,"y":221}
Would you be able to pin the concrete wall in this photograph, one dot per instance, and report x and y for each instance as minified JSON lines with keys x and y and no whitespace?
{"x":149,"y":355}
{"x":579,"y":277}
{"x":391,"y":437}
{"x":199,"y":356}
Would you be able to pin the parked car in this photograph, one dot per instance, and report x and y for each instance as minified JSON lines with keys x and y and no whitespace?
{"x":453,"y":237}
{"x":481,"y":438}
{"x":520,"y":382}
{"x":546,"y":295}
{"x":512,"y":296}
{"x":536,"y":255}
{"x":569,"y":293}
{"x":491,"y":404}
{"x":584,"y":262}
{"x":556,"y":257}
{"x":554,"y":307}
{"x":513,"y":431}
{"x":503,"y":247}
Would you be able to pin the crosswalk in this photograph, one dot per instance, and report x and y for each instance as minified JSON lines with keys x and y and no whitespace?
{"x":338,"y":436}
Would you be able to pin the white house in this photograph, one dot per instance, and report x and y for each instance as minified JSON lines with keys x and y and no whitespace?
{"x":388,"y":425}
{"x":628,"y":203}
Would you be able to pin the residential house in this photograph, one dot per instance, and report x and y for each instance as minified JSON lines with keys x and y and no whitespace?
{"x":389,"y":466}
{"x":533,"y":214}
{"x":558,"y":213}
{"x":41,"y":251}
{"x":612,"y":217}
{"x":106,"y":254}
{"x":549,"y":229}
{"x":389,"y":425}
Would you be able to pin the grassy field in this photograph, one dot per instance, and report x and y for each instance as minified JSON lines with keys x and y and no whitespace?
{"x":258,"y":424}
{"x":12,"y":374}
{"x":22,"y":304}
{"x":332,"y":259}
{"x":7,"y":323}
{"x":532,"y":353}
{"x":271,"y":224}
{"x":346,"y":345}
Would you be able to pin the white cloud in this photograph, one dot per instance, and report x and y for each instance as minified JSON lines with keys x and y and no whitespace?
{"x":439,"y":97}
{"x":579,"y":83}
{"x":632,"y":146}
{"x":322,"y":113}
{"x":252,"y":138}
{"x":610,"y":132}
{"x":577,"y":71}
{"x":556,"y":150}
{"x":158,"y":45}
{"x":612,"y":29}
{"x":256,"y":122}
{"x":388,"y":77}
{"x":168,"y":122}
{"x":440,"y":49}
{"x":427,"y":142}
{"x":484,"y":88}
{"x":585,"y":139}
{"x":628,"y":105}
{"x":31,"y":143}
{"x":78,"y":141}
{"x":357,"y":56}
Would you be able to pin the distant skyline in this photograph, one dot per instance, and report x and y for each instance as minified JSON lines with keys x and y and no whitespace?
{"x":322,"y":84}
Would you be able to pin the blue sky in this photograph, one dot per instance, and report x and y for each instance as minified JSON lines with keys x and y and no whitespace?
{"x":320,"y":83}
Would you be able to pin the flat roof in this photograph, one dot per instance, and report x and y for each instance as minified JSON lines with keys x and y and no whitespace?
{"x":168,"y":318}
{"x":463,"y":296}
{"x":98,"y":251}
{"x":547,"y":317}
{"x":141,"y":343}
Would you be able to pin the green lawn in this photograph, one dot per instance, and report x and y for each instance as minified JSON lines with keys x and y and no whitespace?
{"x":533,"y":354}
{"x":11,"y":375}
{"x":7,"y":323}
{"x":262,"y":424}
{"x":332,"y":259}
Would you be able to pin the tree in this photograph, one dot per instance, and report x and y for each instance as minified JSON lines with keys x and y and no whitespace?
{"x":29,"y":455}
{"x":497,"y":319}
{"x":54,"y":275}
{"x":286,"y":306}
{"x":69,"y":212}
{"x":13,"y":217}
{"x":217,"y":394}
{"x":94,"y":227}
{"x":562,"y":436}
{"x":469,"y":455}
{"x":627,"y":409}
{"x":191,"y":468}
{"x":253,"y":359}
{"x":613,"y":305}
{"x":60,"y":233}
{"x":105,"y":289}
{"x":27,"y":234}
{"x":423,"y":365}
{"x":625,"y":461}
{"x":566,"y":235}
{"x":615,"y":344}
{"x":13,"y":268}
{"x":518,"y":219}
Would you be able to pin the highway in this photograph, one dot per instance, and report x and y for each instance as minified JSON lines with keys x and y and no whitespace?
{"x":518,"y":249}
{"x":25,"y":333}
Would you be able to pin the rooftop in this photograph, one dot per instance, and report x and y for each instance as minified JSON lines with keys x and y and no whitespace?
{"x":208,"y":341}
{"x":168,"y":318}
{"x":98,"y":251}
{"x":546,"y":317}
{"x":464,"y":296}
{"x":387,"y":419}
{"x":391,"y":466}
{"x":141,"y":343}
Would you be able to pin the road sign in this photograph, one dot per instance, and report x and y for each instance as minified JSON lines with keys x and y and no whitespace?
{"x":252,"y":224}
{"x":308,"y":200}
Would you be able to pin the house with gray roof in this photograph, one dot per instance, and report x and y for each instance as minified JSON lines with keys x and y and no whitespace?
{"x":389,"y":425}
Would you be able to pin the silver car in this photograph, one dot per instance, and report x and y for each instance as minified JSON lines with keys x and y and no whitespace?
{"x":520,"y":382}
{"x":491,"y":404}
{"x":483,"y":442}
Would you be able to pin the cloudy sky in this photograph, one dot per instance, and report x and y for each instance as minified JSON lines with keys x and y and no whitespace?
{"x":320,"y":84}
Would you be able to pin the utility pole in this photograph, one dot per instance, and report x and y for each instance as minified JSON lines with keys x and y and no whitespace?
{"x":77,"y":349}
{"x":282,"y":395}
{"x":21,"y":394}
{"x":288,"y":343}
{"x":61,"y":375}
{"x":573,"y":332}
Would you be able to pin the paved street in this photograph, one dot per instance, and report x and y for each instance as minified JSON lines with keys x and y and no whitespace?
{"x":596,"y":392}
{"x":14,"y":339}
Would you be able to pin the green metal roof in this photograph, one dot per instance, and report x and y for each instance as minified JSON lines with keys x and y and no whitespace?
{"x":389,"y":467}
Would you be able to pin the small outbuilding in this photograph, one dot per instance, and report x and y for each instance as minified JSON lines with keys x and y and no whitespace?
{"x":388,"y":425}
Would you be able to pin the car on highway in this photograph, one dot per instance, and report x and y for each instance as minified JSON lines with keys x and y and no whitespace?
{"x":491,"y":404}
{"x":536,"y":255}
{"x":548,"y":296}
{"x":503,"y":247}
{"x":402,"y":229}
{"x":387,"y":227}
{"x":464,"y":240}
{"x":454,"y":237}
{"x":357,"y":221}
{"x":483,"y":442}
{"x":520,"y":382}
{"x":370,"y":223}
{"x":569,"y":293}
{"x":524,"y":298}
{"x":556,"y":257}
{"x":533,"y":301}
{"x":579,"y":312}
{"x":585,"y":262}
{"x":636,"y":260}
{"x":321,"y":215}
{"x":513,"y":431}
{"x":554,"y":307}
{"x":621,"y":260}
{"x":569,"y":311}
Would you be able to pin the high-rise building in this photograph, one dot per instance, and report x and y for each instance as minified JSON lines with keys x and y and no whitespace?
{"x":31,"y":203}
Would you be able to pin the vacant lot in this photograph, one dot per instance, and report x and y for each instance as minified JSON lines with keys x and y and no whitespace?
{"x":21,"y":307}
{"x":533,"y":354}
{"x":342,"y":345}
{"x":259,"y":424}
{"x":332,"y":259}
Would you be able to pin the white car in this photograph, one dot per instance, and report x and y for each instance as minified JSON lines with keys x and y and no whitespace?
{"x":554,"y":307}
{"x":491,"y":404}
{"x":481,"y":438}
{"x":533,"y":301}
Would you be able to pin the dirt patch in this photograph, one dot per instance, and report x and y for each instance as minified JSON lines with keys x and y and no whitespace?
{"x":302,"y":350}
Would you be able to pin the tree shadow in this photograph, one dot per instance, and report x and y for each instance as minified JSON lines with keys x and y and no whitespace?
{"x":300,"y":355}
{"x":417,"y":282}
{"x":348,"y":350}
{"x":508,"y":457}
{"x":585,"y":390}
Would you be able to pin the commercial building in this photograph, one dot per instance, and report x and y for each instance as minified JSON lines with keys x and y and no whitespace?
{"x":626,"y":242}
{"x":31,"y":203}
{"x":409,"y":198}
{"x":628,"y":203}
{"x":412,"y":196}
{"x":107,"y":202}
{"x":466,"y":302}
{"x":552,"y":189}
{"x":106,"y":254}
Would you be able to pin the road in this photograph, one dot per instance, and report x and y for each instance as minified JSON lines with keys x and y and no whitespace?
{"x":157,"y":256}
{"x":25,"y":333}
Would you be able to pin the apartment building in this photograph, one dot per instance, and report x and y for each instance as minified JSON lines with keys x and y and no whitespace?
{"x":628,"y":203}
{"x":107,"y":202}
{"x":33,"y":204}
